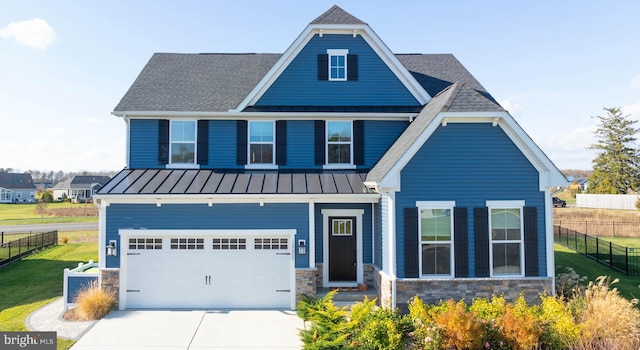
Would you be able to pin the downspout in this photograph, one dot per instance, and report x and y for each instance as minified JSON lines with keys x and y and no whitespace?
{"x":392,"y":246}
{"x":128,"y":141}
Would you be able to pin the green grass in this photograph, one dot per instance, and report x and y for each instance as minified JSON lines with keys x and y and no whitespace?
{"x":565,"y":257}
{"x":24,"y":214}
{"x":35,"y":281}
{"x":624,"y":241}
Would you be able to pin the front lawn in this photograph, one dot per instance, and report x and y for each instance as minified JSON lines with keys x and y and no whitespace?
{"x":35,"y":281}
{"x":56,"y":212}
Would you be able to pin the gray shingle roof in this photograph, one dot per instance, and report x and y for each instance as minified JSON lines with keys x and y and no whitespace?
{"x":336,"y":15}
{"x":195,"y":82}
{"x":219,"y":82}
{"x":183,"y":181}
{"x":16,"y":181}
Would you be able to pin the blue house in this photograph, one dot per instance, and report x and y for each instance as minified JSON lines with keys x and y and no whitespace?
{"x":252,"y":178}
{"x":17,"y":188}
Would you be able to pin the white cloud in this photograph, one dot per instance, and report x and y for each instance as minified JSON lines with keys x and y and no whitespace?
{"x":633,"y":110}
{"x":35,"y":33}
{"x":55,"y":131}
{"x":511,"y":107}
{"x":635,"y":82}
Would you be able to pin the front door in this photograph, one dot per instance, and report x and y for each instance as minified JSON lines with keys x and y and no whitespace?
{"x":343,"y":259}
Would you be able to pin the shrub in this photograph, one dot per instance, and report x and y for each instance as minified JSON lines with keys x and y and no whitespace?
{"x":559,"y":327}
{"x":461,"y":328}
{"x":519,"y":325}
{"x":568,"y":282}
{"x":328,"y":328}
{"x":94,"y":302}
{"x":488,"y":312}
{"x":372,"y":327}
{"x":64,"y":239}
{"x":608,"y":321}
{"x":426,"y":333}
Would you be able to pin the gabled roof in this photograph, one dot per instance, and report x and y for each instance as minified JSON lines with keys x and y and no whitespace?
{"x":336,"y":15}
{"x":17,"y":181}
{"x":460,"y":102}
{"x":82,"y":181}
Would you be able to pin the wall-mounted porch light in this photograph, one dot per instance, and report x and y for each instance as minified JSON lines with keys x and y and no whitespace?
{"x":112,"y":248}
{"x":302,"y":247}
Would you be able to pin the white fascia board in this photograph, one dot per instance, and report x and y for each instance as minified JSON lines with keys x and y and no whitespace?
{"x":264,"y":115}
{"x":548,"y":173}
{"x":238,"y":198}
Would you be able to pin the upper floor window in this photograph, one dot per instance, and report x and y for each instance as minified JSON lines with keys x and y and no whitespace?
{"x":183,"y":141}
{"x":261,"y":142}
{"x":435,"y":227}
{"x":338,"y":64}
{"x":506,"y":246}
{"x":339,"y":142}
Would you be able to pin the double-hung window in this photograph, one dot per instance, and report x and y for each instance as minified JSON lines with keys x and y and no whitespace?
{"x":338,"y":64}
{"x":183,"y":142}
{"x":339,"y":142}
{"x":506,"y":248}
{"x":435,"y":227}
{"x":261,"y":142}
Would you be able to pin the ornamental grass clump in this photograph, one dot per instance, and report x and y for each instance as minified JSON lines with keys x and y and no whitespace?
{"x":94,"y":302}
{"x":608,"y":321}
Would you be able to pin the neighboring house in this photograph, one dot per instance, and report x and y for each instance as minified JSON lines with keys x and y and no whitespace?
{"x":17,"y":188}
{"x":79,"y":188}
{"x":252,"y":178}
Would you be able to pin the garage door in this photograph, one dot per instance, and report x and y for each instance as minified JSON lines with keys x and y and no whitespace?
{"x":191,"y":270}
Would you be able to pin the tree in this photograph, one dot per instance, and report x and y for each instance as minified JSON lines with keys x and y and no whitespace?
{"x":615,"y":168}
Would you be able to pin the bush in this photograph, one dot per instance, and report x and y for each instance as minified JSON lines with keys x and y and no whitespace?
{"x":94,"y":302}
{"x":568,"y":282}
{"x":64,"y":239}
{"x":559,"y":327}
{"x":461,"y":328}
{"x":328,"y":328}
{"x":608,"y":321}
{"x":372,"y":327}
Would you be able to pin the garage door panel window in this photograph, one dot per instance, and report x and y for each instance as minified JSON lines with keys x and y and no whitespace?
{"x":229,"y":243}
{"x":187,"y":243}
{"x":271,"y":243}
{"x":145,"y":243}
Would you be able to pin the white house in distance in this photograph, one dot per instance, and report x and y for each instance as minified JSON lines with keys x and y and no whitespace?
{"x":80,"y":187}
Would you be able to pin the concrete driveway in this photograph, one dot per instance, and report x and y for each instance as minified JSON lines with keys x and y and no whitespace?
{"x":194,"y":329}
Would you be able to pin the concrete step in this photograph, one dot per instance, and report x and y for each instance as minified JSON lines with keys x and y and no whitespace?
{"x":348,"y":295}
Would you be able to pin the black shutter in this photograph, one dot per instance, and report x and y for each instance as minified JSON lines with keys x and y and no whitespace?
{"x":411,"y":268}
{"x":241,"y":151}
{"x":352,"y":67}
{"x":481,"y":219}
{"x":461,"y":242}
{"x":319,"y":142}
{"x":281,"y":142}
{"x":531,"y":241}
{"x":323,"y":66}
{"x":163,"y":141}
{"x":358,"y":142}
{"x":203,"y":142}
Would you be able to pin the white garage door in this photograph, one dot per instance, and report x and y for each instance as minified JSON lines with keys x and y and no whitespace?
{"x":194,"y":270}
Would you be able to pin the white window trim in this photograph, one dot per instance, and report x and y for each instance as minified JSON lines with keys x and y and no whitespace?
{"x":337,"y":52}
{"x":171,"y":164}
{"x":435,"y":205}
{"x":517,"y":204}
{"x":328,"y":165}
{"x":271,"y":165}
{"x":326,"y":213}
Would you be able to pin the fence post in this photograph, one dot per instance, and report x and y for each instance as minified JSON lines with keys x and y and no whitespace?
{"x":586,"y":249}
{"x":2,"y":238}
{"x":626,"y":259}
{"x":597,"y":249}
{"x":610,"y":255}
{"x":613,"y":228}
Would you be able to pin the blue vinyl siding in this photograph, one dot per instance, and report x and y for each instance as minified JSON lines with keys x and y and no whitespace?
{"x":366,"y":229}
{"x":76,"y":284}
{"x":203,"y":217}
{"x":300,"y":145}
{"x":143,"y":143}
{"x":377,"y":236}
{"x":378,"y":137}
{"x":222,"y":145}
{"x":469,"y":164}
{"x":298,"y":85}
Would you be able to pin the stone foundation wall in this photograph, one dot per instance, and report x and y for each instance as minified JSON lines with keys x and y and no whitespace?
{"x":305,"y":283}
{"x":319,"y":278}
{"x":369,"y":275}
{"x":435,"y":290}
{"x":384,"y":287}
{"x":110,"y":280}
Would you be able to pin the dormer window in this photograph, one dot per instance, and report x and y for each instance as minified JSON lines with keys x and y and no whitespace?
{"x":337,"y":65}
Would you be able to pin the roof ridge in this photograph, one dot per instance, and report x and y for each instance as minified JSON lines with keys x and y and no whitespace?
{"x":336,"y":15}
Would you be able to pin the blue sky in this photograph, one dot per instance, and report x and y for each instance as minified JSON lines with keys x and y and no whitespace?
{"x":64,"y":65}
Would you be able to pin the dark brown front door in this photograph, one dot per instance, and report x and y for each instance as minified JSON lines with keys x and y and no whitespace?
{"x":342,"y":249}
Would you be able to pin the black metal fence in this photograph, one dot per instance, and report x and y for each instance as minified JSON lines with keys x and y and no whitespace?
{"x":617,"y":257}
{"x":14,"y":246}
